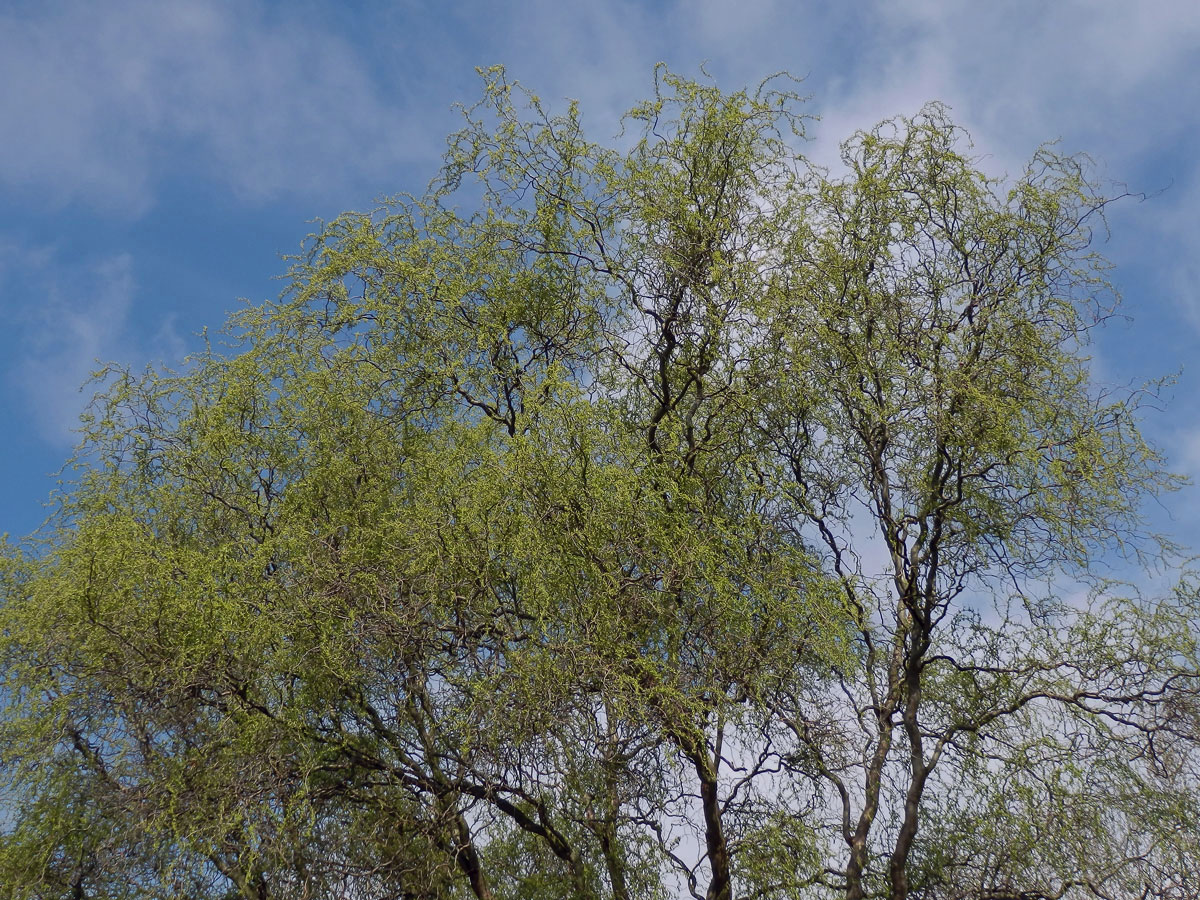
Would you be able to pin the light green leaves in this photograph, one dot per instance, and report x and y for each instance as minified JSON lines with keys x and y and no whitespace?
{"x":609,"y":520}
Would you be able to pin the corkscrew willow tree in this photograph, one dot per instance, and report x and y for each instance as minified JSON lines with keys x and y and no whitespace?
{"x":669,"y":519}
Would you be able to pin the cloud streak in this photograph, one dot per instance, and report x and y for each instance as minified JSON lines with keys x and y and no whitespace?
{"x":72,"y":318}
{"x":105,"y":100}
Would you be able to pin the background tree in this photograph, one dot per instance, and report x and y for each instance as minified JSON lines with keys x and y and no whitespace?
{"x":679,"y":520}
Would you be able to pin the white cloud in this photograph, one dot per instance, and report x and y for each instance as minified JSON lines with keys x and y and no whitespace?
{"x":1108,"y":76}
{"x":103,"y":100}
{"x":68,"y":319}
{"x":106,"y":99}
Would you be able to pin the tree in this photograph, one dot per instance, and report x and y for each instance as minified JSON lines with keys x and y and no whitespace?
{"x":683,"y":520}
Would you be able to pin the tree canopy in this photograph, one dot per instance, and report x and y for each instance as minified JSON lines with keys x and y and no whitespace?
{"x":672,"y":518}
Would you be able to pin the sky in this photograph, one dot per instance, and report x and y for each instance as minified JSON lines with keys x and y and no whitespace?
{"x":158,"y":159}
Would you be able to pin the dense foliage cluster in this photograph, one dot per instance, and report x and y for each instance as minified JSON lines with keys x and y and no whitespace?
{"x":675,"y":520}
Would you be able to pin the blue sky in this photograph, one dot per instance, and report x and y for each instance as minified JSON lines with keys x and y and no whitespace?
{"x":158,"y":157}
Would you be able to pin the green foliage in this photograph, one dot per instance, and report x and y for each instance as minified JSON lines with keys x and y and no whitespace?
{"x":677,"y":519}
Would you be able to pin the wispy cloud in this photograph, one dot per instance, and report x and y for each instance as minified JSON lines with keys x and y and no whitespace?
{"x":69,"y":318}
{"x":101,"y":101}
{"x":1105,"y":75}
